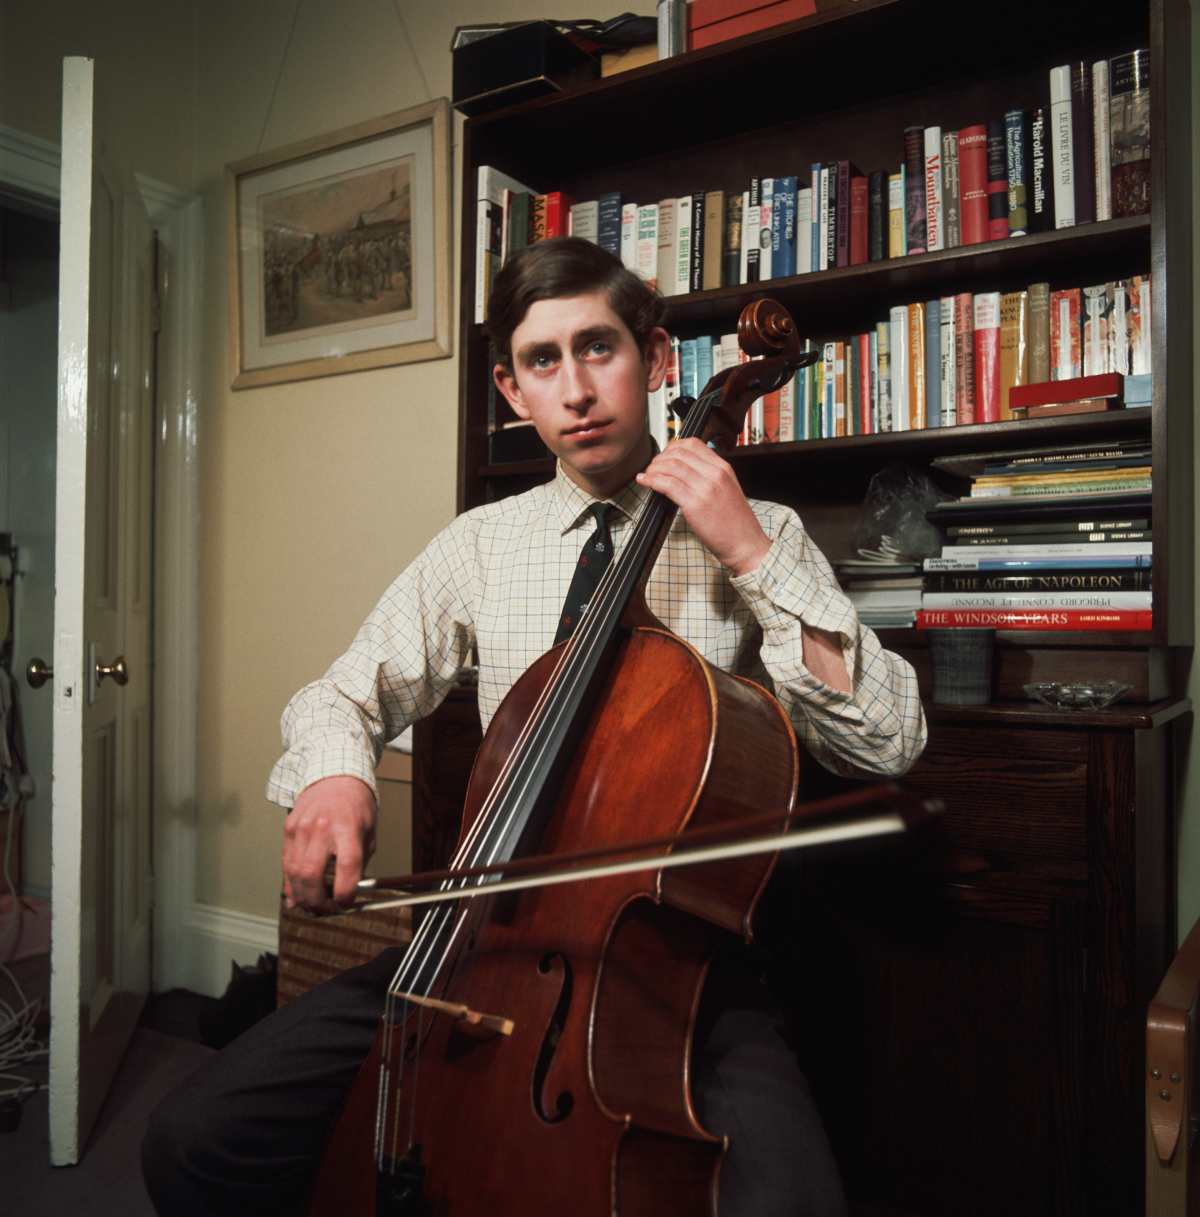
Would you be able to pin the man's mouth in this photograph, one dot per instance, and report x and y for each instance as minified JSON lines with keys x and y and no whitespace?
{"x":588,"y":430}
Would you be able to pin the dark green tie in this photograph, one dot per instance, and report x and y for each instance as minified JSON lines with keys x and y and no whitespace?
{"x":593,"y":562}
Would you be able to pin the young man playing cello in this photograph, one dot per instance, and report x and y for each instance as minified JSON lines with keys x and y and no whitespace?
{"x":581,"y":346}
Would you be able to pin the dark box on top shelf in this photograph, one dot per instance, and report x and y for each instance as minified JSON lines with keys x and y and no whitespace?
{"x":516,"y":65}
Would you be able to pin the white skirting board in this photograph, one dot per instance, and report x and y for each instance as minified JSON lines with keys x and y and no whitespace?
{"x":212,"y":940}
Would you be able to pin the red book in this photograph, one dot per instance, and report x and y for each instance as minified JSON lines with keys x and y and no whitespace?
{"x":1058,"y":392}
{"x":558,"y":214}
{"x":1035,"y":619}
{"x":964,"y":358}
{"x":770,"y":418}
{"x":972,"y":184}
{"x":858,"y":220}
{"x":864,"y":373}
{"x":987,"y":357}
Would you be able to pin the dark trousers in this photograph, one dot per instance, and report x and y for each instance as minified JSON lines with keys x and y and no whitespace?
{"x":244,"y":1134}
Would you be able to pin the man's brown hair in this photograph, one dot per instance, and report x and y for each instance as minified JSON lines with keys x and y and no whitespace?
{"x":559,"y":267}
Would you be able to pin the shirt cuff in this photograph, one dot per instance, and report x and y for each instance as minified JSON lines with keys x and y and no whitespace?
{"x":295,"y":773}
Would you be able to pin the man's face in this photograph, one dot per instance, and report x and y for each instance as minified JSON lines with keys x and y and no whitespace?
{"x":579,"y":375}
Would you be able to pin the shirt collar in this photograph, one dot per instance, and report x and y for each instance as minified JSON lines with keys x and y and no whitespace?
{"x":571,"y":502}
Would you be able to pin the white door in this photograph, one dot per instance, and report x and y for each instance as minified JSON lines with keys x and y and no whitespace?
{"x":100,"y":836}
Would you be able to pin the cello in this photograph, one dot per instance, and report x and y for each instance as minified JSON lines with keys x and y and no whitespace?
{"x":534,"y":1051}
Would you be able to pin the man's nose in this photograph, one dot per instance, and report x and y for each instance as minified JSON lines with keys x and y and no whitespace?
{"x":576,"y":385}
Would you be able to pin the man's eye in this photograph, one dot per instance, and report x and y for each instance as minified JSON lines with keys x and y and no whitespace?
{"x":542,"y":361}
{"x":599,"y":347}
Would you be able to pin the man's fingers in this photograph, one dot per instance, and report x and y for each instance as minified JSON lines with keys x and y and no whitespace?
{"x":349,"y":868}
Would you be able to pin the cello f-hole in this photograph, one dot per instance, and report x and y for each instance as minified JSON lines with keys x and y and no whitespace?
{"x":565,"y":1100}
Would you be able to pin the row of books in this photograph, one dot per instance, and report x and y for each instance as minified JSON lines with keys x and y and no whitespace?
{"x":1082,"y":155}
{"x":954,"y":360}
{"x":1045,"y":539}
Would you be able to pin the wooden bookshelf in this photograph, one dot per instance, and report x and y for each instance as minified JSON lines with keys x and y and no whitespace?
{"x":1076,"y":920}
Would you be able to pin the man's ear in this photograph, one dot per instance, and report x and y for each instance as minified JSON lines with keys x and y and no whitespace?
{"x":657,"y":356}
{"x":506,"y":382}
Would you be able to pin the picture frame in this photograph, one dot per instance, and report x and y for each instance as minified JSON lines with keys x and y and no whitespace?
{"x":339,"y":250}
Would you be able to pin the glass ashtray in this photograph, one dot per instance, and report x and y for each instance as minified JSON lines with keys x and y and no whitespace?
{"x":1078,"y":695}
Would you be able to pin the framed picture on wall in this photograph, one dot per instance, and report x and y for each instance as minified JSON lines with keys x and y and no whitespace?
{"x":339,"y":250}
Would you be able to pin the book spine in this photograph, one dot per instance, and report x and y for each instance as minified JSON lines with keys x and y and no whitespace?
{"x":828,"y":382}
{"x":932,"y":321}
{"x":1017,"y":160}
{"x":1061,"y":147}
{"x":997,"y":182}
{"x":859,"y":221}
{"x":647,"y":243}
{"x":948,"y":349}
{"x":584,"y":221}
{"x":1083,"y":125}
{"x":688,"y":368}
{"x":1057,"y":538}
{"x":873,"y":356}
{"x":1095,"y":330}
{"x":973,"y":180}
{"x":731,"y":260}
{"x":714,"y":237}
{"x":829,"y":181}
{"x":964,"y":358}
{"x":1137,"y":321}
{"x":841,"y":393}
{"x":629,"y":236}
{"x":863,"y":368}
{"x":914,"y":190}
{"x":935,"y":236}
{"x":842,"y":214}
{"x":1055,"y":549}
{"x":696,"y":268}
{"x":1033,"y":619}
{"x":1101,"y":129}
{"x":750,"y":229}
{"x":668,"y":209}
{"x":898,"y":344}
{"x":766,"y":236}
{"x":1039,"y":333}
{"x":1067,"y":528}
{"x":518,"y":223}
{"x":787,"y":411}
{"x":897,"y":230}
{"x":609,"y":223}
{"x":966,"y":582}
{"x":966,"y":560}
{"x":916,"y":367}
{"x":783,"y":233}
{"x":682,"y":259}
{"x":820,"y":196}
{"x":537,"y":218}
{"x":876,"y":216}
{"x":1041,"y":188}
{"x":883,"y":346}
{"x":1064,"y":334}
{"x":804,"y":230}
{"x":987,"y":357}
{"x":953,"y":230}
{"x":1030,"y":600}
{"x":1129,"y":133}
{"x":853,"y":399}
{"x":1014,"y":346}
{"x":558,"y":213}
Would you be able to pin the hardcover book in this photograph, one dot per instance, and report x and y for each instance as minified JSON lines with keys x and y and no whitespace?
{"x":585,"y":221}
{"x":948,"y":350}
{"x":987,"y":357}
{"x":935,"y":237}
{"x":668,"y":209}
{"x":766,"y":238}
{"x":1014,"y":346}
{"x":898,"y":348}
{"x":953,"y":231}
{"x":1065,"y":361}
{"x":751,"y":224}
{"x":683,"y":245}
{"x":609,"y":223}
{"x":973,"y":180}
{"x":877,"y":216}
{"x":1083,"y":126}
{"x":883,"y":374}
{"x":859,"y":222}
{"x":1101,"y":121}
{"x":897,"y":231}
{"x":696,"y":270}
{"x":1095,"y":330}
{"x":1041,"y":185}
{"x":914,"y":190}
{"x":1039,"y":332}
{"x":1062,"y":147}
{"x":647,"y":243}
{"x":997,"y":181}
{"x":846,"y":172}
{"x":804,"y":230}
{"x":964,"y":358}
{"x":1017,"y":167}
{"x":629,"y":236}
{"x":714,"y":238}
{"x":1129,"y":130}
{"x":731,"y":261}
{"x":916,"y":367}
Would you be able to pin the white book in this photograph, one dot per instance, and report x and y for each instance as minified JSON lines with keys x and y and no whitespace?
{"x":584,"y":221}
{"x":804,"y":217}
{"x":629,"y":235}
{"x":647,"y":243}
{"x":874,"y":356}
{"x":949,"y":361}
{"x":823,"y":219}
{"x":751,"y":224}
{"x":934,"y":224}
{"x":1102,"y":129}
{"x":1062,"y":153}
{"x":667,"y":211}
{"x":883,"y":363}
{"x":1037,"y":600}
{"x":489,"y":230}
{"x":731,"y":351}
{"x":683,"y":245}
{"x":898,"y":346}
{"x":1060,"y":549}
{"x":745,"y":247}
{"x":828,"y":404}
{"x":787,"y":412}
{"x":1095,"y":324}
{"x":766,"y":222}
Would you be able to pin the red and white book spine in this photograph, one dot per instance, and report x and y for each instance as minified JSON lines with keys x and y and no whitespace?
{"x":629,"y":236}
{"x":935,"y":229}
{"x":1061,"y":147}
{"x":1101,"y":128}
{"x":972,"y":184}
{"x":1035,"y":619}
{"x":987,"y":357}
{"x":1065,"y":360}
{"x":865,"y":426}
{"x":964,"y":358}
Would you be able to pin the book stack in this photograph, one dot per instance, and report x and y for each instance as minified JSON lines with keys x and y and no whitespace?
{"x":1045,"y":540}
{"x":885,"y":590}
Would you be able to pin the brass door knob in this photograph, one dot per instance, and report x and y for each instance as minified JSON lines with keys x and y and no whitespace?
{"x":116,"y":670}
{"x":37,"y":672}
